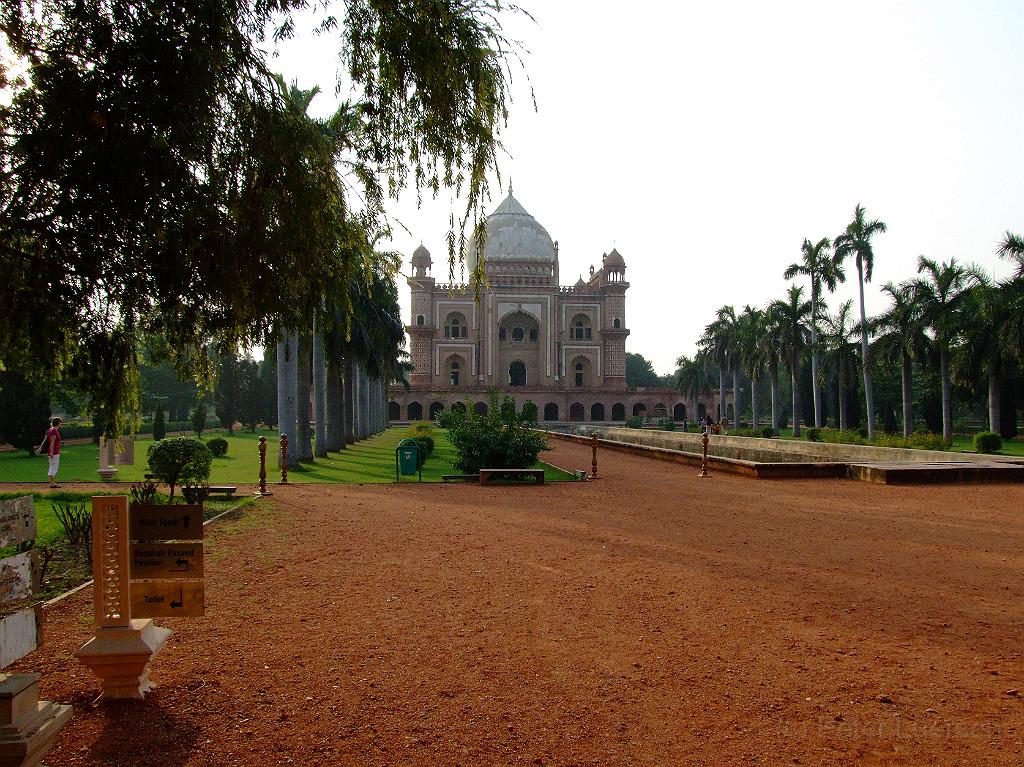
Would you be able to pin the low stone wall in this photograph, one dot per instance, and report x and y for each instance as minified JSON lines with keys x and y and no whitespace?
{"x":783,"y":450}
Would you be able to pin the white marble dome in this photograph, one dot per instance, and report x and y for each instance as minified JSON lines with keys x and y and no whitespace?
{"x":513,"y":235}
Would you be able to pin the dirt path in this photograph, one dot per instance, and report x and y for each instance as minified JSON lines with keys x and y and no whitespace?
{"x":647,"y":618}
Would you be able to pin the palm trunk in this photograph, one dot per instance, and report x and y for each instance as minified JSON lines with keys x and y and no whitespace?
{"x":736,"y":398}
{"x":350,"y":389}
{"x":842,"y":402}
{"x":773,"y":380}
{"x":794,"y":369}
{"x":319,"y":394}
{"x":869,"y":399}
{"x":947,"y":395}
{"x":908,"y":415}
{"x":994,"y":404}
{"x":753,"y":402}
{"x":795,"y":377}
{"x":303,"y":400}
{"x":721,"y":393}
{"x":364,"y":403}
{"x":815,"y":388}
{"x":335,"y":410}
{"x":287,"y":375}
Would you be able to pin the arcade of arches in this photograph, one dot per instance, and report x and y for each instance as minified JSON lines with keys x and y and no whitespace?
{"x":591,"y":408}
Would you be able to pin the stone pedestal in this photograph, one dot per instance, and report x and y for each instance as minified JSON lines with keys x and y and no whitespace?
{"x":27,"y":725}
{"x":120,"y":657}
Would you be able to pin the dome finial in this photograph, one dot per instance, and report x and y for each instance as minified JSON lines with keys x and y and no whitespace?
{"x":509,"y":186}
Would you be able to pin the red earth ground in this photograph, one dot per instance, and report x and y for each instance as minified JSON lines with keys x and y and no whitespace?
{"x":646,"y":618}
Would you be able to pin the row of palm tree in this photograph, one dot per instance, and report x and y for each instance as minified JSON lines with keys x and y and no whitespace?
{"x":950,"y":316}
{"x":333,"y":370}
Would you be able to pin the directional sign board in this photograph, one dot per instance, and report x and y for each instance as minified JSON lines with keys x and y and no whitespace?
{"x":166,"y":523}
{"x":19,"y":580}
{"x":167,"y":599}
{"x":167,"y":561}
{"x":17,"y":521}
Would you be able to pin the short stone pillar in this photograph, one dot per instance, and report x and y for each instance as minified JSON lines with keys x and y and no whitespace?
{"x":28,"y":725}
{"x":108,"y":456}
{"x":120,"y":652}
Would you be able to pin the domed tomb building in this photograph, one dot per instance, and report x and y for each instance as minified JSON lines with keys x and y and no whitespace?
{"x":561,"y":346}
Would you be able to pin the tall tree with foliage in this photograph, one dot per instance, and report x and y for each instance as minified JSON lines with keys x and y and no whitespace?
{"x":154,"y":183}
{"x":692,"y":381}
{"x":792,"y":317}
{"x":840,"y":356}
{"x":856,"y":242}
{"x":900,"y":338}
{"x":750,"y":330}
{"x":824,"y":271}
{"x":24,"y":408}
{"x":228,"y":393}
{"x":719,"y":343}
{"x":939,"y":293}
{"x":639,"y":371}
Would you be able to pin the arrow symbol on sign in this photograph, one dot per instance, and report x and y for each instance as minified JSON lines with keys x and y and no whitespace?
{"x":181,"y":597}
{"x":182,"y":566}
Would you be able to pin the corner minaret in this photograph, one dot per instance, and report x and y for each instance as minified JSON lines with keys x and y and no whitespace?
{"x":421,"y":327}
{"x":612,"y":279}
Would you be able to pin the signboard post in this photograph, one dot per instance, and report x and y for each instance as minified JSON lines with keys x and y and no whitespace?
{"x":120,"y":652}
{"x":28,"y":725}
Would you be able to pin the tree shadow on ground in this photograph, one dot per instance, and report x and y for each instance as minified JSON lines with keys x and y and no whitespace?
{"x":140,"y":733}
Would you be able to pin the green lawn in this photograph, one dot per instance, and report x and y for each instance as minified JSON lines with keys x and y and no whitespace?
{"x":372,"y":460}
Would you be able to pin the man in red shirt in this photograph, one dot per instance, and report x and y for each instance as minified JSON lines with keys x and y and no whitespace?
{"x":51,"y":443}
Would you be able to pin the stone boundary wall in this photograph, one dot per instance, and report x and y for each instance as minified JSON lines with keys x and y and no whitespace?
{"x":771,"y":450}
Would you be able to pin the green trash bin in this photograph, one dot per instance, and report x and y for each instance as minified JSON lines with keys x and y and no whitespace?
{"x":407,"y":459}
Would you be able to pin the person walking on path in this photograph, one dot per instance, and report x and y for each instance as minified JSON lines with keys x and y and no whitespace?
{"x":51,"y":442}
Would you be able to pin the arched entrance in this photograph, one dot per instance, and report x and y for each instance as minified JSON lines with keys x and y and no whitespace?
{"x":618,"y":412}
{"x":394,"y":411}
{"x":597,"y":412}
{"x":435,"y":408}
{"x":416,"y":411}
{"x":480,"y":408}
{"x":576,"y":411}
{"x":679,"y":412}
{"x":640,"y":409}
{"x":660,"y":411}
{"x":517,"y":374}
{"x":551,"y":412}
{"x":459,"y":407}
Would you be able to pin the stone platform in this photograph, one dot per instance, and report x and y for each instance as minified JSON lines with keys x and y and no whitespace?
{"x":937,"y":472}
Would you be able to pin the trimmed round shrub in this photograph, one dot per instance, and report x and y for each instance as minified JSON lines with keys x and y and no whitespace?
{"x":529,"y":413}
{"x":218,"y":446}
{"x":176,"y":460}
{"x":426,"y":443}
{"x":767,"y":432}
{"x":669,"y":426}
{"x":987,"y":442}
{"x":814,"y":434}
{"x":634,"y":422}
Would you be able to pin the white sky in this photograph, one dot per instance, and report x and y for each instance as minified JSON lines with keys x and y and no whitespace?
{"x":706,"y":140}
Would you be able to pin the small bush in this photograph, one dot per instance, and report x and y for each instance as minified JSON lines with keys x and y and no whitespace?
{"x":987,"y":442}
{"x":179,"y":459}
{"x":847,"y":437}
{"x":890,"y":440}
{"x":863,"y":432}
{"x":925,"y":440}
{"x":426,"y":443}
{"x":814,"y":434}
{"x":634,"y":422}
{"x":218,"y":446}
{"x":421,"y":427}
{"x":529,"y":414}
{"x":498,"y":440}
{"x":767,"y":432}
{"x":443,"y":418}
{"x":669,"y":426}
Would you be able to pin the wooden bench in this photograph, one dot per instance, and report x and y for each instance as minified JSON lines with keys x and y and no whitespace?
{"x":228,"y":491}
{"x":486,"y":475}
{"x":459,"y":477}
